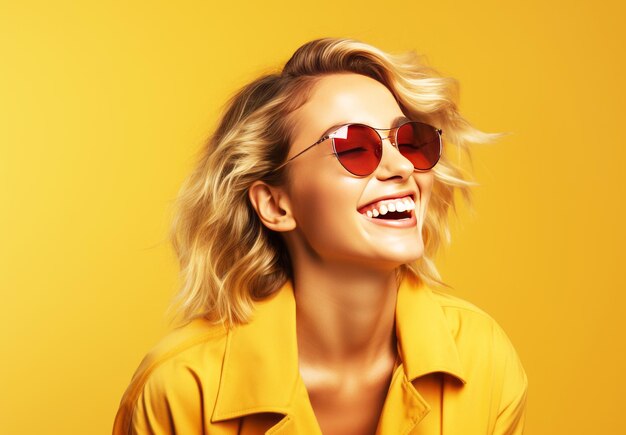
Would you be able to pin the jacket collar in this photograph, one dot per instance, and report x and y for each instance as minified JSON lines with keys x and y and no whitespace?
{"x":260,"y":369}
{"x":424,"y":334}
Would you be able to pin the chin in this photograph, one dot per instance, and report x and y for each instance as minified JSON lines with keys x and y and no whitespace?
{"x":401,"y":254}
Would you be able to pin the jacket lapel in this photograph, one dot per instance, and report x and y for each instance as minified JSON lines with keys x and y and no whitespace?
{"x":425,"y":340}
{"x":426,"y":347}
{"x":260,"y":368}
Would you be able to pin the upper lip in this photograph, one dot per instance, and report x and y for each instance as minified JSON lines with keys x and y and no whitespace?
{"x":391,"y":195}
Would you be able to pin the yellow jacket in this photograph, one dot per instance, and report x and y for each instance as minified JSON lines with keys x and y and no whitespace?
{"x":459,"y":374}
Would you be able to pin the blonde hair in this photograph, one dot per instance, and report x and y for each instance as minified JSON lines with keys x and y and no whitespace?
{"x":228,"y":258}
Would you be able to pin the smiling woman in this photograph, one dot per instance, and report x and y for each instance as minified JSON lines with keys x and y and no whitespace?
{"x":310,"y":302}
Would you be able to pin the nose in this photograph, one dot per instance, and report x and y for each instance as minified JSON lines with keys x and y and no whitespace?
{"x":393,"y":164}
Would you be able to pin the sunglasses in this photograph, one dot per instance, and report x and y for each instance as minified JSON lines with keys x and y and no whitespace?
{"x":359,"y":147}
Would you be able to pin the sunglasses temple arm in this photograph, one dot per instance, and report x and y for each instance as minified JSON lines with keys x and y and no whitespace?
{"x":302,"y":152}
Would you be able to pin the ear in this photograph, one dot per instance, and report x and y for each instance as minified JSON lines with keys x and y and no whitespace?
{"x":272,"y":206}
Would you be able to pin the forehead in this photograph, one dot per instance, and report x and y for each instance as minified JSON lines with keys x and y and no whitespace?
{"x":344,"y":98}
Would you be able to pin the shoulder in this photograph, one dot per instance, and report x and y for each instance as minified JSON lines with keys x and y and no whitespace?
{"x":199,"y":345}
{"x":448,"y":301}
{"x":182,"y":368}
{"x":467,"y":321}
{"x":472,"y":326}
{"x":186,"y":341}
{"x":484,"y":347}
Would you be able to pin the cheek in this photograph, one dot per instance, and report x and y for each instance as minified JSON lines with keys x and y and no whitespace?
{"x":424,"y":181}
{"x":324,"y":205}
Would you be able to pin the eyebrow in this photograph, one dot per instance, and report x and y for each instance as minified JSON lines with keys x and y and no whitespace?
{"x":395,"y":123}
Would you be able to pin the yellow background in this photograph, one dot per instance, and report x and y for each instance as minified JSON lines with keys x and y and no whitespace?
{"x":104,"y":104}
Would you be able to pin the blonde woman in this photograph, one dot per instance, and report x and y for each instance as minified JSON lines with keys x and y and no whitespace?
{"x":309,"y":297}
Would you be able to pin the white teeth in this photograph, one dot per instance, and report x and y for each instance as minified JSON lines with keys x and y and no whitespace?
{"x":401,"y":205}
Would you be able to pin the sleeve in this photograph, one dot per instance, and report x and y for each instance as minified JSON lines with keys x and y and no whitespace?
{"x":512,"y":407}
{"x":166,"y":401}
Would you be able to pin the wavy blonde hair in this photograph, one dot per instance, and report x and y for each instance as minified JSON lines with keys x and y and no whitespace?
{"x":228,"y":258}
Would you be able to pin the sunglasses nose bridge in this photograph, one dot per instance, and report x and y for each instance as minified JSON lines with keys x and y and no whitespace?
{"x":391,"y":138}
{"x":392,"y":163}
{"x":391,"y":135}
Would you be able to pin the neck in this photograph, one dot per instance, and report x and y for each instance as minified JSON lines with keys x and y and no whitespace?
{"x":344,"y":315}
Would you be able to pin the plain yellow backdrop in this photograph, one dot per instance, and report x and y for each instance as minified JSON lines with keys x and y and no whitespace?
{"x":103,"y":106}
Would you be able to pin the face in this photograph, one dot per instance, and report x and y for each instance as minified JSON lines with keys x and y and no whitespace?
{"x":334,"y":210}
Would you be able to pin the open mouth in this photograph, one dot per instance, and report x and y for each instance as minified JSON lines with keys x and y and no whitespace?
{"x":390,"y":209}
{"x":394,"y":215}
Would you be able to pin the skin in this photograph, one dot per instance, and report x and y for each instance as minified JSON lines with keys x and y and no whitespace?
{"x":344,"y":263}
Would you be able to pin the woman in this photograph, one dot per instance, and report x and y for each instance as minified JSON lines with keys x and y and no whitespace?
{"x":306,"y":236}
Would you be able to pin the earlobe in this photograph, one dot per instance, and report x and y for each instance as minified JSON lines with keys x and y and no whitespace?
{"x":272,"y":206}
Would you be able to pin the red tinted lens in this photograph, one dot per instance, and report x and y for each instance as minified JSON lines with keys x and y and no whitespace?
{"x":358,"y":148}
{"x":420,"y":144}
